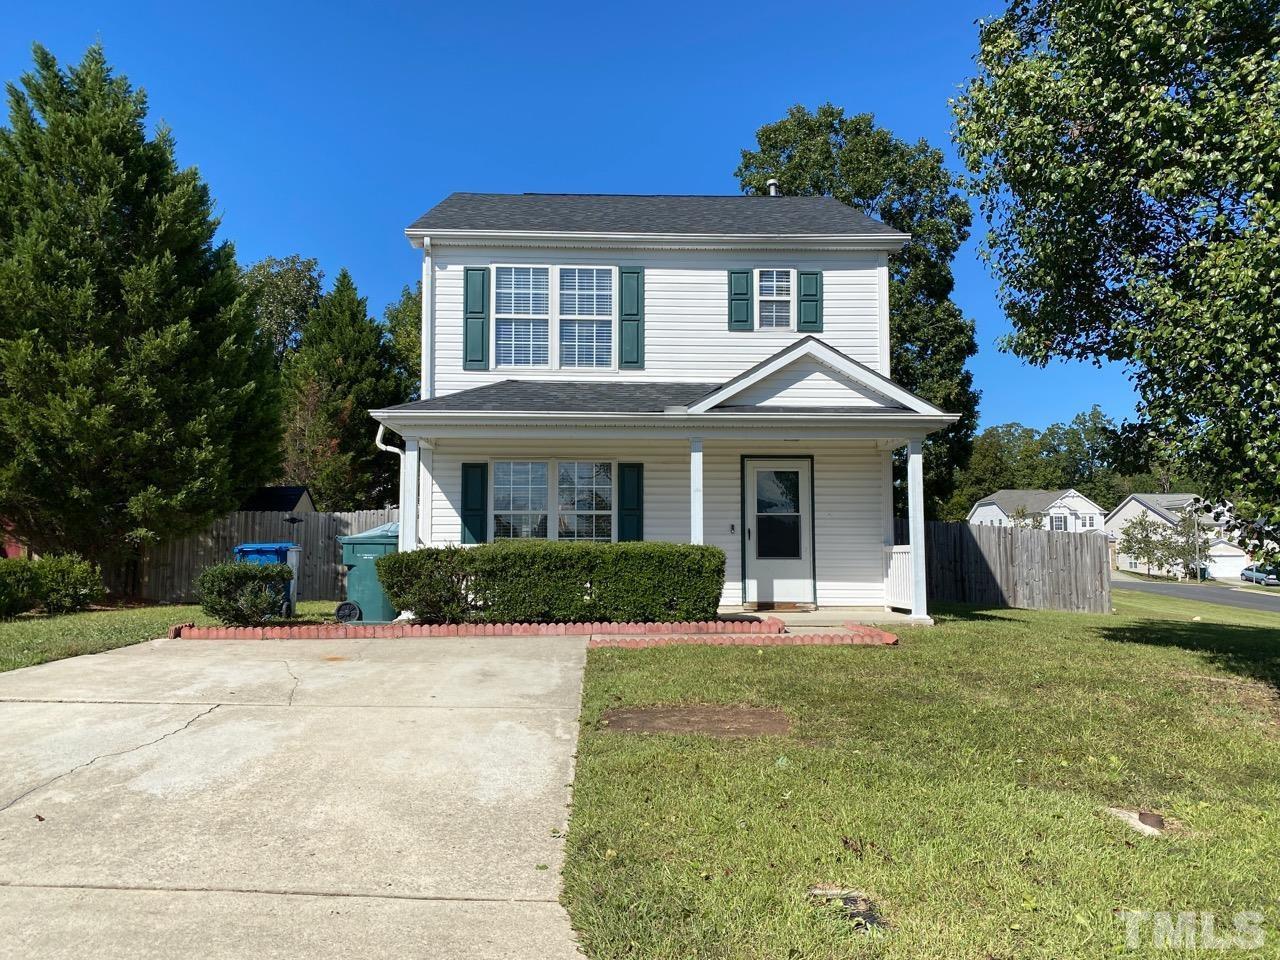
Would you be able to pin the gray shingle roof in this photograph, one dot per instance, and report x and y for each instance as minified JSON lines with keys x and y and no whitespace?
{"x":1028,"y":501}
{"x":565,"y":396}
{"x":610,"y":213}
{"x":593,"y":396}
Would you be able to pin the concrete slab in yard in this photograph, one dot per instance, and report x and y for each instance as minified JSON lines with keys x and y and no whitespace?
{"x":196,"y":783}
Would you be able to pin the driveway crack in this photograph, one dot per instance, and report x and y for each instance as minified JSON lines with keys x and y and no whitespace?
{"x":296,"y":680}
{"x":105,"y":756}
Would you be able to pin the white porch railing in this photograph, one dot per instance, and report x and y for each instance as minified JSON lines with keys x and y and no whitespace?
{"x":897,"y":576}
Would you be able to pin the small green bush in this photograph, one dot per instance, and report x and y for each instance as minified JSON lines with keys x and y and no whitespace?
{"x":67,"y":583}
{"x":17,"y":586}
{"x":541,"y":581}
{"x":244,"y":594}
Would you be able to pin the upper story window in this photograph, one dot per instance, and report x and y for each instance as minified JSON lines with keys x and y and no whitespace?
{"x":522,"y":316}
{"x":773,"y":299}
{"x":586,"y":316}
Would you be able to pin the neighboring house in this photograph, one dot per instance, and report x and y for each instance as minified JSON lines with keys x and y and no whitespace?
{"x":1058,"y":510}
{"x":691,"y":369}
{"x":279,"y":500}
{"x":1223,"y":559}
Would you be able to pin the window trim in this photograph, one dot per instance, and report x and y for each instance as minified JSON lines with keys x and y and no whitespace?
{"x":493,"y":312}
{"x":793,"y":299}
{"x":612,"y":318}
{"x":553,"y":498}
{"x":553,"y":317}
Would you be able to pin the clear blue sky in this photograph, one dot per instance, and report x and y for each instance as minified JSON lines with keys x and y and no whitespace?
{"x":324,"y":128}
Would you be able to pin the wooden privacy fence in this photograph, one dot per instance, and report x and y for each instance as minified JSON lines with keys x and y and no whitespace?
{"x":1015,"y":567}
{"x":167,"y":571}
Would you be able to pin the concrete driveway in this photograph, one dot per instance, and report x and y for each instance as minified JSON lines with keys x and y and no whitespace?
{"x":306,"y":798}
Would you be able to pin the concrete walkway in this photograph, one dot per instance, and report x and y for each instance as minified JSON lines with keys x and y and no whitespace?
{"x":319,"y":799}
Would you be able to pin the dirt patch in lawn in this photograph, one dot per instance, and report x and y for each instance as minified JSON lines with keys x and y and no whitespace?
{"x":713,"y":721}
{"x":1255,"y":696}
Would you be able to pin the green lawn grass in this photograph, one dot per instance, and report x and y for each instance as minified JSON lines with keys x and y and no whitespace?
{"x":33,"y":639}
{"x":956,"y":778}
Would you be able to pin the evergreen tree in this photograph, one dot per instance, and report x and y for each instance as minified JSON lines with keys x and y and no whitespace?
{"x":343,"y":368}
{"x":136,"y":398}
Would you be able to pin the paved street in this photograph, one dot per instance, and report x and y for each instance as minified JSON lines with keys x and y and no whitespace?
{"x":319,"y":799}
{"x":1246,"y":599}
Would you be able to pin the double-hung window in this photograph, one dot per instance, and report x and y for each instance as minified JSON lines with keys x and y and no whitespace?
{"x":519,"y":499}
{"x":774,"y":307}
{"x":586,"y":316}
{"x":1058,"y":522}
{"x":580,"y":507}
{"x":522,"y":316}
{"x":585,"y":499}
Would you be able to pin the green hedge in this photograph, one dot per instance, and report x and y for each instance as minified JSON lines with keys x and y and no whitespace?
{"x":546,"y":581}
{"x":57,"y":584}
{"x":68,"y":583}
{"x":17,"y":586}
{"x":244,"y":594}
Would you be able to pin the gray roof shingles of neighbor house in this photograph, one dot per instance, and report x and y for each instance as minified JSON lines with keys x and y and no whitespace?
{"x":1028,"y":501}
{"x":730,"y":216}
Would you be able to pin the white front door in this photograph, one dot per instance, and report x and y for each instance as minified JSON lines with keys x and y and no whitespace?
{"x":779,"y":531}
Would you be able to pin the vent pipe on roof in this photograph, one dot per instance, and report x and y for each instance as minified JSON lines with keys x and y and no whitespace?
{"x":772,"y":185}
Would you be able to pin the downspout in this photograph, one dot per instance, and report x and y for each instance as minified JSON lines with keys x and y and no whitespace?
{"x":386,"y":448}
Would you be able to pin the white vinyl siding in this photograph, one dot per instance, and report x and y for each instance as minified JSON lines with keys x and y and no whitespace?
{"x":685,"y":313}
{"x":851,"y":499}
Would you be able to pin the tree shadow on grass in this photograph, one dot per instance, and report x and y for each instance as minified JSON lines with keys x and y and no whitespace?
{"x":1252,"y":652}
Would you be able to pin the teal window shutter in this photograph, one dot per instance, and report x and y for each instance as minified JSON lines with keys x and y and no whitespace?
{"x":475,"y":503}
{"x":630,"y":501}
{"x":810,"y":290}
{"x":631,"y":318}
{"x":475,"y":318}
{"x":740,"y":306}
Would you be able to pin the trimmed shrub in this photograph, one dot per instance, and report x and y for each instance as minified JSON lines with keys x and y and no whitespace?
{"x":67,"y":583}
{"x":244,"y":594}
{"x":541,"y":581}
{"x":17,"y":586}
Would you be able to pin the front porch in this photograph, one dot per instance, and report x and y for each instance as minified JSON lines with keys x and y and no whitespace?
{"x":804,"y":523}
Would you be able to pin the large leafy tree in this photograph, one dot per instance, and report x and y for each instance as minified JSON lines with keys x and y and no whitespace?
{"x":285,"y":291}
{"x":1127,"y":156}
{"x":1089,"y":454}
{"x":343,"y":367}
{"x":403,"y":320}
{"x":905,"y":185}
{"x":136,"y":398}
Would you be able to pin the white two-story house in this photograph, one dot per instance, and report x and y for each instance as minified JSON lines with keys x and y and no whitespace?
{"x":692,"y":369}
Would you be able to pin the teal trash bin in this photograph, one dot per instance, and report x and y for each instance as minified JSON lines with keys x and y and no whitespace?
{"x":366,"y":600}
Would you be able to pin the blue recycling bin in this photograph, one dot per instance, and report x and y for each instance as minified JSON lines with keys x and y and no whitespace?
{"x":264,"y":553}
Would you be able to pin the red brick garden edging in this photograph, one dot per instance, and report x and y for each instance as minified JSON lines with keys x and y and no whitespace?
{"x":356,"y":631}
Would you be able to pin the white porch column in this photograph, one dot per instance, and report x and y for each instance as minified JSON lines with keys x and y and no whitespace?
{"x":409,"y":469}
{"x":915,"y":514}
{"x":695,"y":490}
{"x":425,"y":451}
